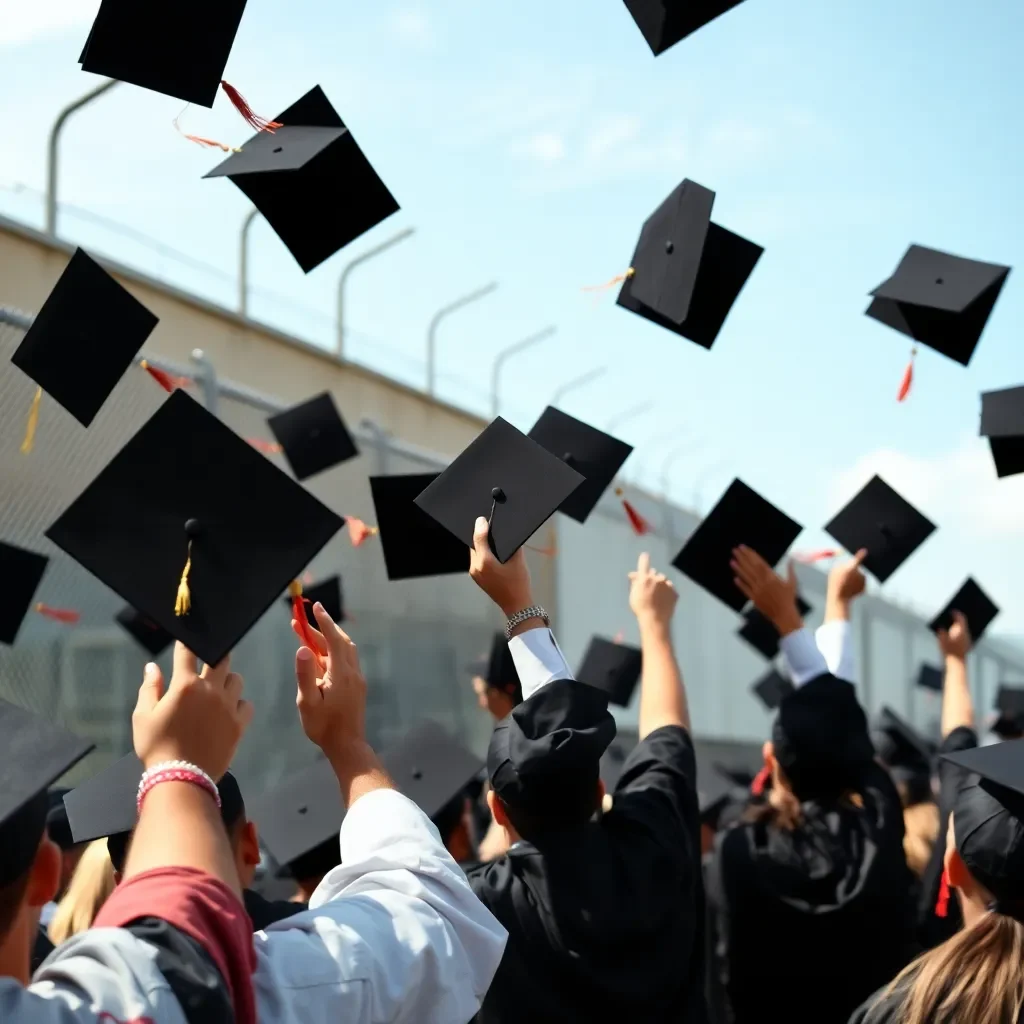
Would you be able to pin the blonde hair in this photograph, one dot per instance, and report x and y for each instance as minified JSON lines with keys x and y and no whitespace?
{"x":976,"y":976}
{"x":920,"y":830}
{"x":91,"y":886}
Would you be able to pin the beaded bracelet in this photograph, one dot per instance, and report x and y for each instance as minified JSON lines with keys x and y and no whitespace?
{"x":175,"y":771}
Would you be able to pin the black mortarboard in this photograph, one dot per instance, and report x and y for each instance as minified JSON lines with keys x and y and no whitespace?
{"x":311,"y":181}
{"x":612,"y":667}
{"x":301,"y":815}
{"x":665,"y":22}
{"x":505,"y":476}
{"x":21,"y":572}
{"x":904,"y":746}
{"x":498,"y":669}
{"x":885,"y":523}
{"x":58,"y":828}
{"x":759,"y":631}
{"x":87,"y":334}
{"x":187,"y":491}
{"x":1002,"y":422}
{"x":593,"y":453}
{"x":772,"y":688}
{"x":988,"y":820}
{"x":738,"y":778}
{"x":179,"y":49}
{"x":974,"y":604}
{"x":145,"y":631}
{"x":314,"y":436}
{"x":940,"y":300}
{"x":1009,"y":723}
{"x":328,"y":593}
{"x":430,"y":766}
{"x":741,"y":517}
{"x":414,"y":544}
{"x":687,"y":271}
{"x":930,"y":677}
{"x":36,"y":754}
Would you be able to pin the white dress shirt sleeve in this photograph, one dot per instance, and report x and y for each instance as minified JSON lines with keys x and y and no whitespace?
{"x":394,"y":935}
{"x":538,"y":660}
{"x":802,"y":657}
{"x":835,"y":641}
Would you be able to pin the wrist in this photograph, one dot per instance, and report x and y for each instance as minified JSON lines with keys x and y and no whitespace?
{"x":788,"y":622}
{"x":516,"y":603}
{"x":349,"y":757}
{"x":955,"y":659}
{"x":653,"y":625}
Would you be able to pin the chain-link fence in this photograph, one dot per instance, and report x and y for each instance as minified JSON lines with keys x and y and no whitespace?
{"x":414,"y":637}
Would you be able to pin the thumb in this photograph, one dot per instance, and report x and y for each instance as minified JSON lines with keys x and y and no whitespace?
{"x":960,"y":619}
{"x":858,"y":559}
{"x":152,"y":688}
{"x":305,"y":675}
{"x":480,"y":530}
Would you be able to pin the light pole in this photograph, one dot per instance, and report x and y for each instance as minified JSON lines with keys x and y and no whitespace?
{"x":670,"y":460}
{"x":577,"y":382}
{"x":349,"y":267}
{"x":243,"y":262}
{"x":53,"y":146}
{"x":629,"y":414}
{"x":699,"y":483}
{"x":440,"y":315}
{"x":504,"y":355}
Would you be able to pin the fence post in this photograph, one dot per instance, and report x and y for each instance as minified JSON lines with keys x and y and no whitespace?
{"x":206,"y":378}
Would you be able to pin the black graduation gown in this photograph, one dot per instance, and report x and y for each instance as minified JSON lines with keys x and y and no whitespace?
{"x":880,"y":1008}
{"x":263,"y":912}
{"x":606,"y":921}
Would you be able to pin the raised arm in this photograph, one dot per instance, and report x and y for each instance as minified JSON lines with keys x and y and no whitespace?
{"x":957,"y":706}
{"x":834,"y":637}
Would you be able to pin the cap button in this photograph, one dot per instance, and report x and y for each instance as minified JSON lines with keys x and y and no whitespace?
{"x":498,"y":495}
{"x":417,"y":774}
{"x":670,"y":247}
{"x":192,"y":528}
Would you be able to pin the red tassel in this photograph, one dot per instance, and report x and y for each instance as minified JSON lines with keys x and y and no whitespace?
{"x":165,"y":380}
{"x":299,"y":615}
{"x":619,"y":637}
{"x":200,"y":139}
{"x":908,"y":378}
{"x":757,"y":787}
{"x":261,"y":124}
{"x":942,"y":903}
{"x":267,"y":447}
{"x":816,"y":556}
{"x":65,"y":615}
{"x":637,"y":521}
{"x":358,"y":531}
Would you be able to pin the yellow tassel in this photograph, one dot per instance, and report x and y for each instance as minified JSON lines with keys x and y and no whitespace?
{"x":33,"y":422}
{"x":184,"y":600}
{"x":617,"y":279}
{"x":295,"y":589}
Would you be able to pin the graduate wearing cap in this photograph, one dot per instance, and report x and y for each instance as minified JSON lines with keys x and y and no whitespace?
{"x":496,"y":681}
{"x":812,"y":894}
{"x":605,"y":912}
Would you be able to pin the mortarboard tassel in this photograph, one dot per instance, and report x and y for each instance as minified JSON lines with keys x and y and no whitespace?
{"x":810,"y":557}
{"x":619,"y":637}
{"x":65,"y":615}
{"x":908,"y":377}
{"x":358,"y":531}
{"x":942,"y":903}
{"x":165,"y":380}
{"x":299,"y":615}
{"x":201,"y":140}
{"x":261,"y":124}
{"x":757,"y":787}
{"x":637,"y":521}
{"x":617,"y":279}
{"x":267,"y":447}
{"x":32,"y":423}
{"x":183,"y":602}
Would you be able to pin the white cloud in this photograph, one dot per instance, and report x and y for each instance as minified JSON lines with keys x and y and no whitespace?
{"x":411,"y":25}
{"x":22,"y":22}
{"x":544,"y":147}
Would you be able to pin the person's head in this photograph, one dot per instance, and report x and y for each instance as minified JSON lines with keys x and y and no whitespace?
{"x":496,"y":700}
{"x":59,"y":830}
{"x":496,"y":681}
{"x":90,"y":887}
{"x":309,"y":868}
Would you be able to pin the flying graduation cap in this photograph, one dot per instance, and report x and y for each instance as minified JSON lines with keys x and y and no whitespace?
{"x":1002,"y":422}
{"x":313,"y":436}
{"x":761,"y":634}
{"x":930,"y":677}
{"x":293,"y":175}
{"x":687,"y":271}
{"x":665,"y":22}
{"x":1009,"y":707}
{"x":22,"y":572}
{"x":612,"y":667}
{"x":194,"y":528}
{"x":772,"y":689}
{"x":974,"y":604}
{"x":506,"y":477}
{"x":144,"y":631}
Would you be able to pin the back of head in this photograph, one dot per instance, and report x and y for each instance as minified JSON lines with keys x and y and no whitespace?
{"x":91,"y":886}
{"x":20,"y":836}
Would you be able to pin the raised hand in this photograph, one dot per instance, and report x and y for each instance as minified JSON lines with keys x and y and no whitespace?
{"x":652,"y":595}
{"x":773,"y":596}
{"x":956,"y":641}
{"x":508,"y":585}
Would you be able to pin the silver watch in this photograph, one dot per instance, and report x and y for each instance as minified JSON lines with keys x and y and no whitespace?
{"x":533,"y":612}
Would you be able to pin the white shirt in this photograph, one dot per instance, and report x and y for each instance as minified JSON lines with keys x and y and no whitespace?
{"x":829,"y":650}
{"x":538,"y":660}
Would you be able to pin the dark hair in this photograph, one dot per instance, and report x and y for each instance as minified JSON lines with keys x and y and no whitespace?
{"x":20,"y":836}
{"x":317,"y":862}
{"x":576,"y":806}
{"x":448,"y":819}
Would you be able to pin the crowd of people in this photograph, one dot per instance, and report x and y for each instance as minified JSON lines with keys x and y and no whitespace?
{"x":826,"y":894}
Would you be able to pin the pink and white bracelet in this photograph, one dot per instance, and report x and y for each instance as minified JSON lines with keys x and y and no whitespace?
{"x":175,"y":771}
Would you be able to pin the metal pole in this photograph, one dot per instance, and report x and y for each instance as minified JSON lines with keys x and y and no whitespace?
{"x":53,"y":147}
{"x":438,"y":317}
{"x":670,"y":460}
{"x":243,"y":262}
{"x":207,"y":379}
{"x":629,"y":414}
{"x":504,"y":355}
{"x":349,"y":267}
{"x":577,"y":382}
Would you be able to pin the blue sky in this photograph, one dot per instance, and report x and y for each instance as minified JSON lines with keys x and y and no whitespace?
{"x":527,"y":143}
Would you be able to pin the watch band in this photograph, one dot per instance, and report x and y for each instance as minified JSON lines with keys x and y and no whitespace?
{"x":533,"y":612}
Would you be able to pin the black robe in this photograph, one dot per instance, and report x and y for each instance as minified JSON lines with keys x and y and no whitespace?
{"x":606,"y":920}
{"x":263,"y":912}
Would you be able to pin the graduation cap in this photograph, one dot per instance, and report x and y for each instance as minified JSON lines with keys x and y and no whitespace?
{"x":930,"y":678}
{"x":194,"y":528}
{"x":739,"y":778}
{"x":328,"y":593}
{"x":145,"y":631}
{"x":665,"y":22}
{"x":21,"y":571}
{"x":430,"y":767}
{"x":906,"y":747}
{"x":1009,"y":707}
{"x":885,"y":523}
{"x":940,"y":300}
{"x":498,"y":669}
{"x":974,"y":604}
{"x":505,"y":476}
{"x":36,"y":754}
{"x":593,"y":453}
{"x":313,"y":436}
{"x":772,"y":689}
{"x":302,"y":817}
{"x":87,"y":334}
{"x":686,"y":271}
{"x":741,"y":517}
{"x":179,"y":49}
{"x":760,"y":632}
{"x":1002,"y":422}
{"x":414,"y":544}
{"x":311,"y":181}
{"x":988,"y":818}
{"x":612,"y":667}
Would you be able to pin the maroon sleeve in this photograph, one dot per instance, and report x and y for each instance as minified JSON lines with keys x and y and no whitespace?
{"x":202,"y":907}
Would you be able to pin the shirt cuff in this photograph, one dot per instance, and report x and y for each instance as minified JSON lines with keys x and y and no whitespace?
{"x":538,"y":660}
{"x":835,"y":641}
{"x":803,"y":659}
